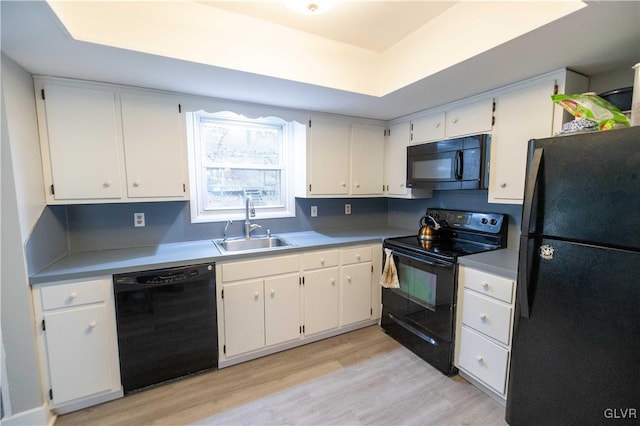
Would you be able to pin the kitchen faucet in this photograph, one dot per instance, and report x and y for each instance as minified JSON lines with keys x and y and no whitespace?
{"x":249,"y":211}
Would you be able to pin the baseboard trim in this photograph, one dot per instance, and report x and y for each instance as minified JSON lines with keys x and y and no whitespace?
{"x":88,"y":402}
{"x":37,"y":416}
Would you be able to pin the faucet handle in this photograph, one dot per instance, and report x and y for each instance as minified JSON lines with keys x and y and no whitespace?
{"x":254,"y":226}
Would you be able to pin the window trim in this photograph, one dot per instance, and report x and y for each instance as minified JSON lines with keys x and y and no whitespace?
{"x":198,"y":188}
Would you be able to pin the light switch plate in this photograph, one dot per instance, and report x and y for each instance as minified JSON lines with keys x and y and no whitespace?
{"x":347,"y":209}
{"x":138,"y":220}
{"x":314,"y":211}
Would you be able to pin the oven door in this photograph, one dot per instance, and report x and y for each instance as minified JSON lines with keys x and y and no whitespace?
{"x":420,"y":314}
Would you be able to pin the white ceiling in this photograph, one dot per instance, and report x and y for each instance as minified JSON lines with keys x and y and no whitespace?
{"x":371,"y":25}
{"x":601,"y":37}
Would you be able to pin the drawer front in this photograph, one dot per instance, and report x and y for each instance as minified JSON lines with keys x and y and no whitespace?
{"x":487,"y":316}
{"x":356,"y":255}
{"x":259,"y":268}
{"x":320,"y":259}
{"x":74,"y":294}
{"x":488,"y":284}
{"x":484,"y":359}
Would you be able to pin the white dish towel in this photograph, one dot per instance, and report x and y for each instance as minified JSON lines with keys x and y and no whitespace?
{"x":389,"y":278}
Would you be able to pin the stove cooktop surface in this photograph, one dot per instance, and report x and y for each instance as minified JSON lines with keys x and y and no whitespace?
{"x":445,"y":249}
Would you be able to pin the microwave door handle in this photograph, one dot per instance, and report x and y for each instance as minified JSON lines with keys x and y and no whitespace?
{"x":459,"y":165}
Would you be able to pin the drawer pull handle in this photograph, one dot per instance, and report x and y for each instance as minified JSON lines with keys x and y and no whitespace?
{"x":73,"y":294}
{"x":485,"y":286}
{"x":479,"y":359}
{"x":483,"y":317}
{"x":92,"y":324}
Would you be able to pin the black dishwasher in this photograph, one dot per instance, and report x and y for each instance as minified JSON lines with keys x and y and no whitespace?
{"x":167,"y":326}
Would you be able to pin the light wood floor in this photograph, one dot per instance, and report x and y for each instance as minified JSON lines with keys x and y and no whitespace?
{"x":240,"y":392}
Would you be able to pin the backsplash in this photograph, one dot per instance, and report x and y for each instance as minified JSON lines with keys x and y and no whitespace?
{"x":91,"y":227}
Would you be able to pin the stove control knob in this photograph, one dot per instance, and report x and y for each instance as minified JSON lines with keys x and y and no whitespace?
{"x":493,"y":221}
{"x":484,"y":221}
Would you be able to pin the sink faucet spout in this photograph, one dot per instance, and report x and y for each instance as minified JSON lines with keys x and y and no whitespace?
{"x":249,"y":211}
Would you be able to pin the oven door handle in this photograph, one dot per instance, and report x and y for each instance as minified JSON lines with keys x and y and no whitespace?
{"x":431,"y":262}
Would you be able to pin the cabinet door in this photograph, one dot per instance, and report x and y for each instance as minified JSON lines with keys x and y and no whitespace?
{"x":78,"y":352}
{"x":367,"y":159}
{"x":470,"y":119}
{"x":282,"y":309}
{"x":320,"y":300}
{"x":83,"y":141}
{"x":428,"y":129}
{"x":243,"y":317}
{"x":521,"y":115}
{"x":356,"y":293}
{"x":395,"y":169}
{"x":154,"y":145}
{"x":329,"y":156}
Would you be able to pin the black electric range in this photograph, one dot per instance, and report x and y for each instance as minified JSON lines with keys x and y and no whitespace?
{"x":420,"y":314}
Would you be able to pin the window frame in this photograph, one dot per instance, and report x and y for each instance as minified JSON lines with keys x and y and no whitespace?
{"x":198,"y":185}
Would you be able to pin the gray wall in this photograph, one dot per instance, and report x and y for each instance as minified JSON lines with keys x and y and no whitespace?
{"x":18,"y":328}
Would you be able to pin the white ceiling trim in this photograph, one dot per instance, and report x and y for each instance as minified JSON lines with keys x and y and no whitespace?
{"x":198,"y":33}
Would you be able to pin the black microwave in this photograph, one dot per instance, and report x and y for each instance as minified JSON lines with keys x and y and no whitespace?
{"x":461,"y":163}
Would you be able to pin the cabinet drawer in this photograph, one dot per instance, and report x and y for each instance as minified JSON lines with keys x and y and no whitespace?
{"x":356,"y":255}
{"x":487,"y":316}
{"x":488,"y":284}
{"x":259,"y":268}
{"x":320,"y":259}
{"x":484,"y":359}
{"x":74,"y":294}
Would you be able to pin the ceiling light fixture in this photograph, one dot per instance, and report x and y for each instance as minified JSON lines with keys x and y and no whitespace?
{"x":311,"y":7}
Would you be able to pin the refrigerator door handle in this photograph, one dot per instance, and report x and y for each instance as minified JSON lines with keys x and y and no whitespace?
{"x":530,"y":188}
{"x":523,"y":278}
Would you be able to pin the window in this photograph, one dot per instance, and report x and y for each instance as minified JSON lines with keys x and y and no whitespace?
{"x":233,"y":157}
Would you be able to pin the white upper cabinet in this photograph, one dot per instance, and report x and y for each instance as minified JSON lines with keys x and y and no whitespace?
{"x":367,"y":159}
{"x":395,"y":166}
{"x":342,"y":158}
{"x":101,"y":143}
{"x":525,"y":112}
{"x":470,"y":119}
{"x":461,"y":120}
{"x":80,"y":141}
{"x":328,"y":156}
{"x":154,"y":145}
{"x":428,"y":129}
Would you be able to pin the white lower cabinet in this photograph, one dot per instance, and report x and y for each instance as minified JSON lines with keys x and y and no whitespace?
{"x":272,"y":303}
{"x":485,"y":315}
{"x":78,"y":342}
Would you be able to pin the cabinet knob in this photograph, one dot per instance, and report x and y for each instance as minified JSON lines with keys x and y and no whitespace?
{"x":402,"y":185}
{"x":485,"y":286}
{"x":479,"y":359}
{"x":357,"y":185}
{"x":483,"y":317}
{"x":358,"y":256}
{"x":348,"y":278}
{"x":256,"y":295}
{"x":342,"y":184}
{"x":136,"y":183}
{"x":503,"y":185}
{"x":106,"y":184}
{"x":73,"y":294}
{"x":322,"y":261}
{"x":92,"y":324}
{"x":455,"y":120}
{"x":273,"y":292}
{"x":437,"y":125}
{"x":333,"y":281}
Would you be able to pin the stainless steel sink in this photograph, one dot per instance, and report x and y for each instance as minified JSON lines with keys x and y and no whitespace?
{"x":254,"y":243}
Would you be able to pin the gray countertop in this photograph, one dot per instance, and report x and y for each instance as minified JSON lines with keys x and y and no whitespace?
{"x":76,"y":265}
{"x":500,"y":262}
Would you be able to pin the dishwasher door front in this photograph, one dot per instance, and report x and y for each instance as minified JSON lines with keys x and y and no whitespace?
{"x":167,"y":325}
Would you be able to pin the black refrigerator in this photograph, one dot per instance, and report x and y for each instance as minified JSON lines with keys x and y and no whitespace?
{"x":576,"y":345}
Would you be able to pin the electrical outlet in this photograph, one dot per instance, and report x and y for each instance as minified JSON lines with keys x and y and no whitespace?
{"x":314,"y":211}
{"x":347,"y":209}
{"x":138,"y":220}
